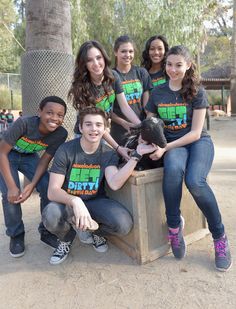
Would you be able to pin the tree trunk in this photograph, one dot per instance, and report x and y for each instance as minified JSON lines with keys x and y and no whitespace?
{"x":233,"y":67}
{"x":47,"y":65}
{"x":48,"y":25}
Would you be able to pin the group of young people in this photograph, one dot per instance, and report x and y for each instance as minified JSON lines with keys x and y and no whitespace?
{"x":108,"y":104}
{"x":6,"y":119}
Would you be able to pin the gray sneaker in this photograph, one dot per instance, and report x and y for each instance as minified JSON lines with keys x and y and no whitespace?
{"x":223,"y":260}
{"x":177,"y":241}
{"x":85,"y":237}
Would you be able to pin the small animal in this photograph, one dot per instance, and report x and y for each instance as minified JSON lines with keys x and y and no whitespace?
{"x":151,"y":131}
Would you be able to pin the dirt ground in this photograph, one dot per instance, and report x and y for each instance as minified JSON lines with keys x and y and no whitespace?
{"x":113,"y":280}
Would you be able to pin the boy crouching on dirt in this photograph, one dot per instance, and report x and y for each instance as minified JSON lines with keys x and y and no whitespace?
{"x":76,"y":187}
{"x":18,"y":153}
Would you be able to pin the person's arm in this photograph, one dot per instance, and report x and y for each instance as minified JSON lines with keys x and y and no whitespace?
{"x":195,"y":133}
{"x":83,"y":219}
{"x":123,"y":151}
{"x":117,"y":177}
{"x":13,"y":191}
{"x":126,"y":109}
{"x":40,"y":170}
{"x":122,"y":122}
{"x":145,"y":98}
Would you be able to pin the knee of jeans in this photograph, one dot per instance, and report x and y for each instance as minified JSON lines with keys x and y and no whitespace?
{"x":51,"y":216}
{"x":194,"y":185}
{"x":174,"y":169}
{"x":124,"y":225}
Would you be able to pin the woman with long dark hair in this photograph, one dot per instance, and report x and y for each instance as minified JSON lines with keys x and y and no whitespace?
{"x":181,"y":103}
{"x":153,"y":58}
{"x":94,"y":83}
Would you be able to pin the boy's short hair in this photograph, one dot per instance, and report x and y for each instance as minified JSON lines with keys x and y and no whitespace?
{"x":92,"y":110}
{"x":54,"y":99}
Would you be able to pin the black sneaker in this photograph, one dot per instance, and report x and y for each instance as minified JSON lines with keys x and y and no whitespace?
{"x":177,"y":241}
{"x":223,"y":259}
{"x":99,"y":243}
{"x":61,"y":252}
{"x":49,"y":239}
{"x":17,"y":245}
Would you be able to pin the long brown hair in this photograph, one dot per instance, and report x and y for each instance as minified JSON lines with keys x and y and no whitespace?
{"x":190,"y":82}
{"x":83,"y":91}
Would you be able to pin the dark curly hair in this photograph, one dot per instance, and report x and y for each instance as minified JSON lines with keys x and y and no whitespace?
{"x":190,"y":82}
{"x":146,"y":61}
{"x":82,"y":91}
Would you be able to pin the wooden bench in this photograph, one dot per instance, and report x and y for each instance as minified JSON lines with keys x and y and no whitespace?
{"x":142,"y":196}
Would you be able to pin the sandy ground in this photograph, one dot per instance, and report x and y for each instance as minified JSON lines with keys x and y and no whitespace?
{"x":113,"y":280}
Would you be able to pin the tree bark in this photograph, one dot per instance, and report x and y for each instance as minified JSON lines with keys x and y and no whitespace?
{"x":48,"y":25}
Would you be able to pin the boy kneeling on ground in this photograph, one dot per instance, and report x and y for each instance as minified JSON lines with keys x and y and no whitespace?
{"x":76,"y":188}
{"x":18,"y":153}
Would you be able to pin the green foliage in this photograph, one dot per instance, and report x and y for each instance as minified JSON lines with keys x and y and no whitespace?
{"x":217,"y":52}
{"x":215,"y":97}
{"x":180,"y":21}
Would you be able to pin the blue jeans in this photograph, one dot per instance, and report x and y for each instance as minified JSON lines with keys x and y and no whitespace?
{"x":26,"y":164}
{"x":191,"y":163}
{"x":113,"y":218}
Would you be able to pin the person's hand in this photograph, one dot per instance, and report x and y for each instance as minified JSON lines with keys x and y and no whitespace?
{"x":27,"y":191}
{"x":143,"y":149}
{"x":13,"y":194}
{"x":83,"y":220}
{"x":127,"y":125}
{"x":124,"y":152}
{"x":157,"y":154}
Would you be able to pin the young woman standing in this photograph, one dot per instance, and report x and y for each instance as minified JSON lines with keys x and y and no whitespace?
{"x":96,"y":84}
{"x":153,"y":58}
{"x":182,"y":104}
{"x":136,"y":83}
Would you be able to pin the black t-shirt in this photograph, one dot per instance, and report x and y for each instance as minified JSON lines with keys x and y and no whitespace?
{"x":157,"y":78}
{"x":84,"y":173}
{"x":25,"y":137}
{"x":105,"y":100}
{"x":134,"y":83}
{"x":175,"y":111}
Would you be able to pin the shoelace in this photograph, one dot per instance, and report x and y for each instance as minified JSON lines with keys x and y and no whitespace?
{"x":174,"y":239}
{"x":63,"y":247}
{"x":98,"y":240}
{"x":220,"y":248}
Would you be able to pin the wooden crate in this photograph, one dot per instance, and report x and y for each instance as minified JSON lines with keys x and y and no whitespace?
{"x":142,"y":196}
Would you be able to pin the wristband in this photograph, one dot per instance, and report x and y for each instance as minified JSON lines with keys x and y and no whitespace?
{"x":135,"y":155}
{"x":117,"y":147}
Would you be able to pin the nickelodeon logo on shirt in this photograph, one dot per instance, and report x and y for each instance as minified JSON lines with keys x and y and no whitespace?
{"x":26,"y":145}
{"x":158,"y":81}
{"x":105,"y":102}
{"x":174,"y":115}
{"x":133,"y":91}
{"x":84,"y":179}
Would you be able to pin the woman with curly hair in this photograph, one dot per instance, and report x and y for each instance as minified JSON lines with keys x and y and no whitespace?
{"x":153,"y":58}
{"x":95,"y":84}
{"x":181,"y":103}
